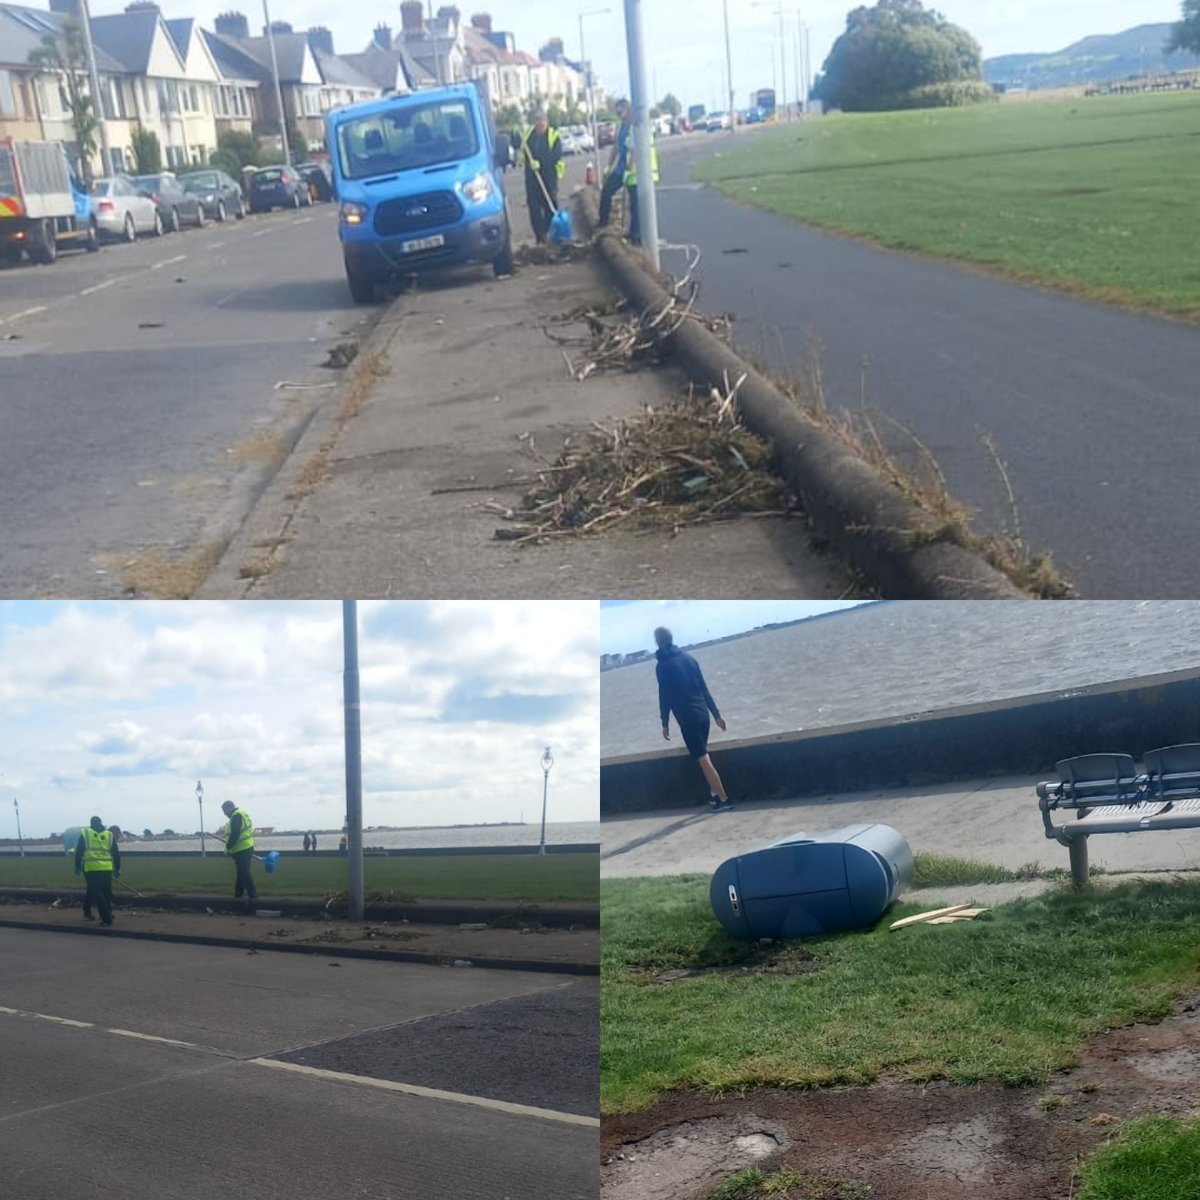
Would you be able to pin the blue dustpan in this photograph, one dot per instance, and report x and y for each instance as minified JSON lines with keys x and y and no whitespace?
{"x":561,"y":229}
{"x":270,"y":859}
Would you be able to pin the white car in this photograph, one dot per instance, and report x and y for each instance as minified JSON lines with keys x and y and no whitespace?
{"x":122,"y":211}
{"x":570,"y":144}
{"x":583,"y":138}
{"x":717,"y":121}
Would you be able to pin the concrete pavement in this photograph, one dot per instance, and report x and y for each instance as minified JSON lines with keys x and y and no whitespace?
{"x":228,"y":1102}
{"x":1090,"y":407}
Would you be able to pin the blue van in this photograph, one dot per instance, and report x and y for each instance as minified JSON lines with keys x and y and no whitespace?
{"x":419,"y":185}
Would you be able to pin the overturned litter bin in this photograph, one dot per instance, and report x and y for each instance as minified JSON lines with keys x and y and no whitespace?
{"x":812,"y":883}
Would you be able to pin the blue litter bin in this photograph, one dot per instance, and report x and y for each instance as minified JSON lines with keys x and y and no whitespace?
{"x":812,"y":883}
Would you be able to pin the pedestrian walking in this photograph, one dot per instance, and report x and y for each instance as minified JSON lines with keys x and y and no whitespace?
{"x":682,"y":691}
{"x":98,"y":860}
{"x":618,"y":163}
{"x":313,"y":839}
{"x":542,"y":157}
{"x":239,"y":845}
{"x":307,"y":843}
{"x":631,"y":187}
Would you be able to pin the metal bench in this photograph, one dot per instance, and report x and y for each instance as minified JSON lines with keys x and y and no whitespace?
{"x":1106,"y":793}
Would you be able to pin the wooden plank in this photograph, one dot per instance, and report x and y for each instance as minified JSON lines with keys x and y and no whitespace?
{"x":920,"y":917}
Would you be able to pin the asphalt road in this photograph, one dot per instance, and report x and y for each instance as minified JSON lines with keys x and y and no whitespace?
{"x":95,"y":1103}
{"x":1093,"y":409}
{"x":139,"y":408}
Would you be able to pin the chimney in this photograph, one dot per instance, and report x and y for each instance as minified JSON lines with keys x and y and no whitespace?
{"x":234,"y":25}
{"x":412,"y":18}
{"x":140,"y":6}
{"x":482,"y":22}
{"x":320,"y":38}
{"x":450,"y":15}
{"x":279,"y":27}
{"x":383,"y":36}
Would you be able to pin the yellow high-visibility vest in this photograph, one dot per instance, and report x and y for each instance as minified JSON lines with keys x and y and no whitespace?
{"x":97,"y":850}
{"x":527,"y":159}
{"x":631,"y":169}
{"x":245,"y":839}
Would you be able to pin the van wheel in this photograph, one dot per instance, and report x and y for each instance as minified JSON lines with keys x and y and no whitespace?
{"x":43,"y":248}
{"x":92,"y":241}
{"x":362,"y":287}
{"x":502,"y":264}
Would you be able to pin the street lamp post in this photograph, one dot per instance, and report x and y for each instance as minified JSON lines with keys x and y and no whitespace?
{"x":353,"y":731}
{"x":729,"y":72}
{"x":547,"y":763}
{"x":85,"y":19}
{"x":287,"y":149}
{"x":21,"y":840}
{"x":643,"y":143}
{"x":200,"y":801}
{"x":782,"y":96}
{"x":587,"y":67}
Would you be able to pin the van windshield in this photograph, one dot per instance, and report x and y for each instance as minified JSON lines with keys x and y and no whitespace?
{"x":407,"y":137}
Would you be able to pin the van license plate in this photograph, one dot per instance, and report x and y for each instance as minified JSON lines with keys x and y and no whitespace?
{"x":429,"y":243}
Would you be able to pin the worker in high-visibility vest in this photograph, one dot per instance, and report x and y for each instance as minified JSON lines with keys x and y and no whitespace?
{"x":98,"y":860}
{"x":541,"y":155}
{"x":239,"y":845}
{"x":618,"y":165}
{"x":631,"y":187}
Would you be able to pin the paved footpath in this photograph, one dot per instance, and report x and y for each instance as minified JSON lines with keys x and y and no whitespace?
{"x":197,"y":1072}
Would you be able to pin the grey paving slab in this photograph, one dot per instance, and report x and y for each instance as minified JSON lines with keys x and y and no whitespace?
{"x":542,"y":1050}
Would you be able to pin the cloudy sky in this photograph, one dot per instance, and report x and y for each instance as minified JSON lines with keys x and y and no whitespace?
{"x":118,"y":709}
{"x":686,"y":37}
{"x":628,"y":625}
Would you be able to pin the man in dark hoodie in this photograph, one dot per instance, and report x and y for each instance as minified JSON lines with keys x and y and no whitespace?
{"x":682,"y":691}
{"x":98,"y":860}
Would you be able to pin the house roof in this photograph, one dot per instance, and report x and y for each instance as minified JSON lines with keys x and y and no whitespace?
{"x":22,"y":30}
{"x":233,"y":61}
{"x":290,"y":50}
{"x":383,"y":67}
{"x":338,"y":69}
{"x":129,"y":38}
{"x":180,"y":30}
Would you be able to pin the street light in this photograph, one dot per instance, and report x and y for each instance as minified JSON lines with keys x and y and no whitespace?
{"x":587,"y":68}
{"x":21,"y":841}
{"x":287,"y":149}
{"x":200,"y":801}
{"x":782,"y":54}
{"x":729,"y":72}
{"x":547,"y":763}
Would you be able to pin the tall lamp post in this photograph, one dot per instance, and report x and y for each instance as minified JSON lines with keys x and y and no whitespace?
{"x":547,"y":763}
{"x":729,"y":72}
{"x":587,"y":67}
{"x":781,"y":99}
{"x":287,"y":149}
{"x":200,"y":801}
{"x":85,"y":19}
{"x":21,"y":840}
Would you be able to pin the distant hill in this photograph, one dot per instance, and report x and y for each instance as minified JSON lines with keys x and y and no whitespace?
{"x":1137,"y":51}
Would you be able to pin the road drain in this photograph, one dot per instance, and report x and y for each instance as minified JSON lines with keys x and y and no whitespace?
{"x":676,"y":1162}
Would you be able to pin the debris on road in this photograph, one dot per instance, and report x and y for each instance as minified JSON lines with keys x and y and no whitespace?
{"x":689,"y":464}
{"x":341,"y":356}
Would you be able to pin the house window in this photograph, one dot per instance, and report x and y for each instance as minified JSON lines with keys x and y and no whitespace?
{"x":312,"y":102}
{"x":117,"y":160}
{"x":8,"y":100}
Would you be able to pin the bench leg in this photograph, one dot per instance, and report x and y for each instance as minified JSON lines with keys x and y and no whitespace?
{"x":1079,"y":860}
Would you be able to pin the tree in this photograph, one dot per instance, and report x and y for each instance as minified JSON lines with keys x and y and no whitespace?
{"x":670,"y":105}
{"x":894,"y":56}
{"x":146,"y":833}
{"x":552,"y":51}
{"x":147,"y":151}
{"x":1185,"y":33}
{"x":242,"y":147}
{"x":65,"y":56}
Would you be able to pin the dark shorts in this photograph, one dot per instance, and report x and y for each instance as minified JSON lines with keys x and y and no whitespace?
{"x":695,"y":737}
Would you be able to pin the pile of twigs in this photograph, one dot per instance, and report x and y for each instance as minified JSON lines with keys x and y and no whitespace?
{"x":689,"y":464}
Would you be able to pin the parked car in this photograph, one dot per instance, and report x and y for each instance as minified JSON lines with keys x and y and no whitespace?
{"x":583,"y":136}
{"x":174,"y":204}
{"x":319,"y":179}
{"x":121,"y":211}
{"x":218,"y":194}
{"x":570,"y":145}
{"x":277,"y":187}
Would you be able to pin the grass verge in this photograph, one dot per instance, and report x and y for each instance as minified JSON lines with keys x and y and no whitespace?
{"x":941,"y":870}
{"x":1008,"y":1000}
{"x":754,"y":1184}
{"x":524,"y":877}
{"x":1087,"y":196}
{"x":1156,"y":1158}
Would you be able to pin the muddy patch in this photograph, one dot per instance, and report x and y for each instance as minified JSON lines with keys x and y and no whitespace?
{"x":763,"y":958}
{"x":914,"y":1142}
{"x":692,"y":1155}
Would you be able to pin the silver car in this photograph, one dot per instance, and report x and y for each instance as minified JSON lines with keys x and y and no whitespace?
{"x":121,"y":211}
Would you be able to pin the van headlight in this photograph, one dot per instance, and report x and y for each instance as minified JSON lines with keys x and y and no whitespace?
{"x":478,"y":189}
{"x":353,"y":214}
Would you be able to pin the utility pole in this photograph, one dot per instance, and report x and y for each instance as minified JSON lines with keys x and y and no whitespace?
{"x":642,"y":134}
{"x":85,"y":19}
{"x":729,"y":71}
{"x":587,"y":66}
{"x":287,"y":148}
{"x":547,"y":763}
{"x":782,"y":63}
{"x":353,"y":723}
{"x":200,"y":801}
{"x":21,"y":840}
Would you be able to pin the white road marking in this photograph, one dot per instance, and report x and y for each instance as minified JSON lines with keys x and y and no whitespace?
{"x":99,"y":287}
{"x":29,"y":312}
{"x":302,"y":220}
{"x":17,"y":1012}
{"x":411,"y":1089}
{"x":149,"y":1037}
{"x":168,"y":262}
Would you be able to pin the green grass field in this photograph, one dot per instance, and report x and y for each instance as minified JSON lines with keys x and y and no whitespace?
{"x":1156,"y":1158}
{"x":526,"y":877}
{"x":1093,"y":196}
{"x":1008,"y":997}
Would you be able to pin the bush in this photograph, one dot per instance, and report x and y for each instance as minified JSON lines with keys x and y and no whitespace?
{"x":956,"y":94}
{"x":147,"y":152}
{"x":242,"y":148}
